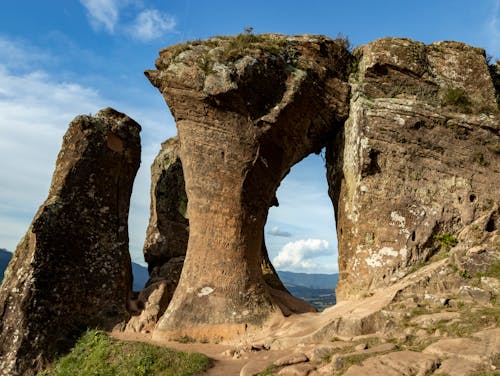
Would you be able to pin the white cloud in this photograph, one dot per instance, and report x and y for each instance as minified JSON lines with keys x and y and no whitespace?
{"x":493,"y":29}
{"x":275,"y":231}
{"x":298,"y":255}
{"x":151,"y":24}
{"x":102,"y":13}
{"x":13,"y":54}
{"x":147,"y":25}
{"x":35,"y":110}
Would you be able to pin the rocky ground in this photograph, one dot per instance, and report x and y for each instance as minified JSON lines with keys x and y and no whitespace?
{"x":439,"y":320}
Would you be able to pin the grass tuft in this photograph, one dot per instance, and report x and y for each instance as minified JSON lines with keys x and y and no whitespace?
{"x":457,"y":98}
{"x":98,"y":354}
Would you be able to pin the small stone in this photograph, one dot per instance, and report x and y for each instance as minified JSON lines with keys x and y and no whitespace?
{"x":361,"y":346}
{"x":291,"y":359}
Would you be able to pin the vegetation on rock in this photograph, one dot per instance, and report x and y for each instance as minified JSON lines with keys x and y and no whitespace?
{"x":98,"y":354}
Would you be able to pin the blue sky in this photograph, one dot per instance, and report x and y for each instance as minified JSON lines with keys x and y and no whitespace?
{"x":61,"y":58}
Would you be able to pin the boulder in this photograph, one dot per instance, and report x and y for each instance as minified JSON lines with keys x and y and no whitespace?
{"x":401,"y":363}
{"x":72,"y":269}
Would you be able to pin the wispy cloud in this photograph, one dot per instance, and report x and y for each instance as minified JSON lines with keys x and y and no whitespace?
{"x":102,"y":14}
{"x":34,"y":113}
{"x":13,"y":54}
{"x":152,"y":24}
{"x":275,"y":231}
{"x":35,"y":110}
{"x":299,"y":255}
{"x":145,"y":25}
{"x":493,"y":29}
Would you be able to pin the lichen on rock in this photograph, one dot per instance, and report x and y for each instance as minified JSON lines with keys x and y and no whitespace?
{"x":72,"y":268}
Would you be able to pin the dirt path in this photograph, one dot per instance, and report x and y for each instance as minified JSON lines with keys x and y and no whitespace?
{"x":223,"y":364}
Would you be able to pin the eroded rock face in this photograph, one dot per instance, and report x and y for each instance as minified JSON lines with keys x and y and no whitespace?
{"x":418,"y":162}
{"x":72,"y":268}
{"x":414,"y":165}
{"x":166,"y":244}
{"x":247,"y":109}
{"x":168,"y":230}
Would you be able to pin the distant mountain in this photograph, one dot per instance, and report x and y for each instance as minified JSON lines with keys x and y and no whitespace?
{"x":140,"y":272}
{"x":317,"y":289}
{"x":5,"y":257}
{"x":141,"y":276}
{"x":313,"y":281}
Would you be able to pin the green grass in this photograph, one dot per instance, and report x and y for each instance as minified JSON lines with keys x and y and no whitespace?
{"x":457,"y":97}
{"x":185,"y":339}
{"x":446,"y":241}
{"x":98,"y":354}
{"x":493,"y":270}
{"x":269,"y":371}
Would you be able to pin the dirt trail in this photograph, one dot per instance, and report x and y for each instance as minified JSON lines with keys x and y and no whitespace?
{"x":223,"y":364}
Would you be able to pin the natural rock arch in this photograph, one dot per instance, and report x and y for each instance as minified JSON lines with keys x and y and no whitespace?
{"x":248,"y":108}
{"x":242,"y":126}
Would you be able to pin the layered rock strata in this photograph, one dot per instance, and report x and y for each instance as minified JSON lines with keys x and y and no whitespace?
{"x":412,"y":157}
{"x":247,"y":109}
{"x":417,"y":160}
{"x":72,"y":268}
{"x":168,"y":230}
{"x":166,"y":244}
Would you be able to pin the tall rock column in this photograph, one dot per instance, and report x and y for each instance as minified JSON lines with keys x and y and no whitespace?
{"x":72,"y":268}
{"x":419,"y":158}
{"x":166,"y":243}
{"x":247,"y":109}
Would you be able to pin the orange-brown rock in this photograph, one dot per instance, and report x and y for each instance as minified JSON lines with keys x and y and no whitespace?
{"x":247,"y":109}
{"x":418,"y":160}
{"x":412,"y":158}
{"x":166,"y":244}
{"x":72,"y":268}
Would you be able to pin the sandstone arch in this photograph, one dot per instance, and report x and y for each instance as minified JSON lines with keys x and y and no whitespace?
{"x":250,"y":107}
{"x":239,"y":136}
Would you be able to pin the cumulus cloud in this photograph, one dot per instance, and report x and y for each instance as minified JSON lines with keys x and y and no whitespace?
{"x":275,"y":231}
{"x":151,"y":24}
{"x":147,"y":25}
{"x":299,"y":255}
{"x":102,"y":14}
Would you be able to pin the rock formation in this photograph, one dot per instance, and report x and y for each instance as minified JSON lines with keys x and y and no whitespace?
{"x":168,"y":230}
{"x":72,"y":268}
{"x":166,"y":244}
{"x":412,"y":158}
{"x":247,"y":109}
{"x":419,"y":158}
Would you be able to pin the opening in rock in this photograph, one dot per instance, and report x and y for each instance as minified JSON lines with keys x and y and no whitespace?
{"x":300,"y":234}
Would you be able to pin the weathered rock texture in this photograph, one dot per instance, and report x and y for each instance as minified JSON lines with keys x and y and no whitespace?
{"x":247,"y":109}
{"x":168,"y":230}
{"x":72,"y":269}
{"x":166,"y":244}
{"x":418,"y":159}
{"x":412,"y":157}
